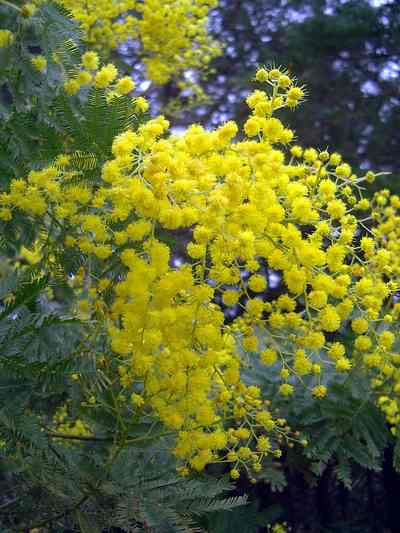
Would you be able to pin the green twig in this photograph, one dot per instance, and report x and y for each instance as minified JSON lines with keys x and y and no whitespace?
{"x":10,"y":4}
{"x":50,"y":519}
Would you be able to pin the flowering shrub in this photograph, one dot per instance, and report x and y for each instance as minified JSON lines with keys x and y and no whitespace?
{"x":172,"y":34}
{"x":106,"y":206}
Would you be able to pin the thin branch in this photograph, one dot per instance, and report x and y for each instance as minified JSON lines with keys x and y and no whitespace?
{"x":69,"y":436}
{"x":52,"y":518}
{"x":10,"y":4}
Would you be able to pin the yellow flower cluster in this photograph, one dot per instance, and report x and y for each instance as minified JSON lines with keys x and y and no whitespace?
{"x":248,"y":204}
{"x":172,"y":33}
{"x":63,"y":425}
{"x":279,"y":528}
{"x":6,"y":38}
{"x":39,"y":62}
{"x":89,"y":74}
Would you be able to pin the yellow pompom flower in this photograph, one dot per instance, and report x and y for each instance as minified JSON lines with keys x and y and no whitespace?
{"x":343,"y":364}
{"x":105,"y":76}
{"x":72,"y":87}
{"x":262,"y":75}
{"x":319,"y":391}
{"x":27,"y":10}
{"x":269,"y":357}
{"x":234,"y":473}
{"x":330,"y":319}
{"x":90,"y":60}
{"x":230,"y":297}
{"x":6,"y":38}
{"x":359,"y":325}
{"x":286,"y":389}
{"x":39,"y":62}
{"x":257,"y":283}
{"x":125,"y":85}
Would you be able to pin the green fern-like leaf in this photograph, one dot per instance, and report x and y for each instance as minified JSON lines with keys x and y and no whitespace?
{"x":343,"y":472}
{"x":83,"y":160}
